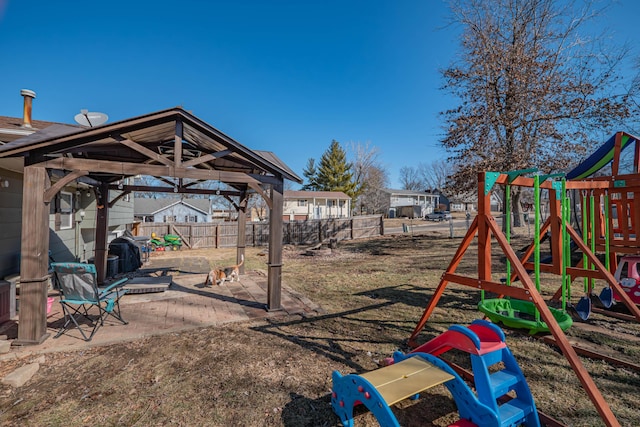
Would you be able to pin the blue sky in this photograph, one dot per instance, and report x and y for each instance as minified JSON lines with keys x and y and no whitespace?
{"x":284,"y":76}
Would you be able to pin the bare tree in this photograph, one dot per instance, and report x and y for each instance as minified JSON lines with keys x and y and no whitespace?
{"x":373,"y":200}
{"x":370,"y":177}
{"x":410,"y":178}
{"x":435,"y":175}
{"x":257,"y":205}
{"x":534,"y":91}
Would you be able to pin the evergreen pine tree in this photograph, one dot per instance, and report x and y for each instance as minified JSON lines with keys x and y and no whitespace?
{"x":334,"y":172}
{"x":311,"y":174}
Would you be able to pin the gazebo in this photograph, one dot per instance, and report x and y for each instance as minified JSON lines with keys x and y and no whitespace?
{"x":174,"y":146}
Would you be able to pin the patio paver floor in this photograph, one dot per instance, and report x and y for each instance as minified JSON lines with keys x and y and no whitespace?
{"x":186,"y":304}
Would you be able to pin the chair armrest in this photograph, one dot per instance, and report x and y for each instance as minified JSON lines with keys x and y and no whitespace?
{"x":113,"y":285}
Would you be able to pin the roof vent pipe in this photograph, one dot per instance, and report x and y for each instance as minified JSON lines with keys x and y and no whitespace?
{"x":28,"y":96}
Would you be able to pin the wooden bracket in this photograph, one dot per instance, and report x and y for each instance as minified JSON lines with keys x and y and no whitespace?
{"x":50,"y":193}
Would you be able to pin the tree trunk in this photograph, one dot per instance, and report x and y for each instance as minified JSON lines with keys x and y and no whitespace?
{"x":515,"y":207}
{"x":516,"y":220}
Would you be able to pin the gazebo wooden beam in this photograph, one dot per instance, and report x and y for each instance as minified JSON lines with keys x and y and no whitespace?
{"x":152,"y":155}
{"x":50,"y":193}
{"x":183,"y":190}
{"x":262,"y":193}
{"x":206,"y":158}
{"x":99,"y":132}
{"x":177,"y":145}
{"x":124,"y":168}
{"x":118,"y":197}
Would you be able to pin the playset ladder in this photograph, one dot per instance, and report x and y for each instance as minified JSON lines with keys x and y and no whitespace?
{"x":484,"y":342}
{"x":415,"y":372}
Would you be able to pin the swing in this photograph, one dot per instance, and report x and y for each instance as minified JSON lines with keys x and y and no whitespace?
{"x":606,"y":295}
{"x":519,"y":314}
{"x":583,"y":307}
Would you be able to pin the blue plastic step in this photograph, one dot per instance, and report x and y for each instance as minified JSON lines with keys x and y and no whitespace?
{"x":502,"y":382}
{"x":513,"y":412}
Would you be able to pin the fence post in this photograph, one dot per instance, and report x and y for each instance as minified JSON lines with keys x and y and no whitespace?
{"x":217,"y":236}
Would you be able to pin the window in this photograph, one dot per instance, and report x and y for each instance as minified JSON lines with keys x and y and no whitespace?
{"x":329,"y":203}
{"x":190,"y":218}
{"x":342,"y":203}
{"x":302,"y":202}
{"x":66,"y":210}
{"x":169,"y":218}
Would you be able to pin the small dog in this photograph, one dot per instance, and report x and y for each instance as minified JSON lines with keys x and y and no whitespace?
{"x":219,"y":275}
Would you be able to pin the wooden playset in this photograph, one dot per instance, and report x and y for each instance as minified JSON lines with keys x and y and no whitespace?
{"x":610,"y":216}
{"x":606,"y":242}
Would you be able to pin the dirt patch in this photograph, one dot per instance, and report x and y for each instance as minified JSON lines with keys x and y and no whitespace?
{"x":278,"y":372}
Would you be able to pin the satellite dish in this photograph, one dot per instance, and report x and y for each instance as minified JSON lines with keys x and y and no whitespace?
{"x":90,"y":119}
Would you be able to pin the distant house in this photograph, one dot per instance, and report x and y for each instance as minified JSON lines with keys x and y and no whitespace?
{"x":303,"y":205}
{"x":410,"y":203}
{"x":464,"y":202}
{"x":222,"y":215}
{"x":468,"y":202}
{"x":168,"y":209}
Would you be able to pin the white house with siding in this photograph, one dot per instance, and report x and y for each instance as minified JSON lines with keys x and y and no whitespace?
{"x":303,"y":205}
{"x":171,"y":209}
{"x":419,"y":203}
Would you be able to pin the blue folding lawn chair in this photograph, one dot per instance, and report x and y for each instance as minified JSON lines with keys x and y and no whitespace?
{"x":79,"y":292}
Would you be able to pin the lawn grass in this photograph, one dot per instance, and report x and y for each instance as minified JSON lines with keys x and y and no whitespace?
{"x":278,"y":372}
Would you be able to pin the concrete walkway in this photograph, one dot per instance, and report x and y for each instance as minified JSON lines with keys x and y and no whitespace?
{"x":185,"y":304}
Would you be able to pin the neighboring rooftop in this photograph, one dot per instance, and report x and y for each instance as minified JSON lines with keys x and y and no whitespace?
{"x":149,"y":206}
{"x":290,"y":194}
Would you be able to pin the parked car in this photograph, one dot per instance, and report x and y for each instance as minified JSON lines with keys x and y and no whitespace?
{"x":438,"y":216}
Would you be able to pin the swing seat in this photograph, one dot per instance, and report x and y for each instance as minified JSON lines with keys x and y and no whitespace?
{"x":606,"y":297}
{"x":583,"y":308}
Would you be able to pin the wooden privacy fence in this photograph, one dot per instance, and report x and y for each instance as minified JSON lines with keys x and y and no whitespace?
{"x":224,"y":235}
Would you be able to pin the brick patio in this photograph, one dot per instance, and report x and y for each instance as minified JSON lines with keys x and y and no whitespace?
{"x":185,"y":304}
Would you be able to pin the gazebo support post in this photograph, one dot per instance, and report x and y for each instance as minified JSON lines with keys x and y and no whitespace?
{"x":102,"y":226}
{"x":34,"y":263}
{"x":274,"y":284}
{"x":242,"y":229}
